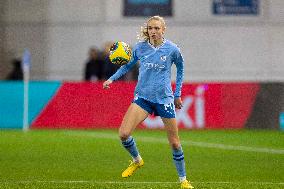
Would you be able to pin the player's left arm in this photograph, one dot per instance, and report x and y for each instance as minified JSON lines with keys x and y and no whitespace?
{"x":179,"y":62}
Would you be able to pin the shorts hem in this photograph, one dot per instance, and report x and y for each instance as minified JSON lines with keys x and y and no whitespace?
{"x":142,"y":107}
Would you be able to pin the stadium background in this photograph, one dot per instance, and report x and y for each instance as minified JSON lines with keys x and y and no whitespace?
{"x":218,"y":49}
{"x":215,"y":47}
{"x":234,"y":81}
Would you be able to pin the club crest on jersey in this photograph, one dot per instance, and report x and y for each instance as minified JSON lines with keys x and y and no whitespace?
{"x":164,"y":58}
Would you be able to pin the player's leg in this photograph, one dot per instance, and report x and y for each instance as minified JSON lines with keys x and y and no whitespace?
{"x":178,"y":156}
{"x":173,"y":138}
{"x":133,"y":117}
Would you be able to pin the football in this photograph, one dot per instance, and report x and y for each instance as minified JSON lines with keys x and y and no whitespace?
{"x":120,"y":53}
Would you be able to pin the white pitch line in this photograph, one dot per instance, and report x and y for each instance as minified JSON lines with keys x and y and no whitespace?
{"x":136,"y":182}
{"x":187,"y":143}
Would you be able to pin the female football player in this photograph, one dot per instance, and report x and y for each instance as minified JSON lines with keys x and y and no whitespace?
{"x":153,"y":93}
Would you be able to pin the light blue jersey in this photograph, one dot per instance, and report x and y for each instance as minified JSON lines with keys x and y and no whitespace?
{"x":154,"y":80}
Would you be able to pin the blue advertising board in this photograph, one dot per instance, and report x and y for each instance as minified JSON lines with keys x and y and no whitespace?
{"x":235,"y":7}
{"x":11,"y":101}
{"x":281,"y":121}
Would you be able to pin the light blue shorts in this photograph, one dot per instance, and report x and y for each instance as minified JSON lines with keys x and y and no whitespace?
{"x":162,"y":110}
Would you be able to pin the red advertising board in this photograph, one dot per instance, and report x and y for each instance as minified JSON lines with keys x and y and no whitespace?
{"x":88,"y":105}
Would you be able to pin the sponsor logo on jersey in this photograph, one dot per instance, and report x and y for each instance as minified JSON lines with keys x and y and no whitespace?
{"x":154,"y":66}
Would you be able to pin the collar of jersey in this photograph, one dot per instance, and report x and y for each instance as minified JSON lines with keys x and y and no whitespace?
{"x":156,"y":48}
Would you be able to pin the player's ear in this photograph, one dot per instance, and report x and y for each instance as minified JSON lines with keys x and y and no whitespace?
{"x":164,"y":29}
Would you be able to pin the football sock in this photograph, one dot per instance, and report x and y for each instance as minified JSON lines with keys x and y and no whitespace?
{"x":178,"y":158}
{"x":130,"y":145}
{"x":137,"y":159}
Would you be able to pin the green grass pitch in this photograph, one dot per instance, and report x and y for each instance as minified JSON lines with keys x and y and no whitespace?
{"x":245,"y":159}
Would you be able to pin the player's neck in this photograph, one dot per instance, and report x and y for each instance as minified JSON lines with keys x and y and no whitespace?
{"x":157,"y":42}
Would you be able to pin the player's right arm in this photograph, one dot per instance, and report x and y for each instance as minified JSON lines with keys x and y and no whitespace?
{"x":107,"y":83}
{"x":122,"y":70}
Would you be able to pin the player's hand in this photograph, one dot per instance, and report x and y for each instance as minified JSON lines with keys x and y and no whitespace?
{"x":178,"y":103}
{"x":107,"y":83}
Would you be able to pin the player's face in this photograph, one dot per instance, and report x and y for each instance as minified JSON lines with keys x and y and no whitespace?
{"x":155,"y":30}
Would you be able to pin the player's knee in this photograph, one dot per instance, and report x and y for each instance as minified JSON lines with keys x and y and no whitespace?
{"x":123,"y":135}
{"x":175,"y":145}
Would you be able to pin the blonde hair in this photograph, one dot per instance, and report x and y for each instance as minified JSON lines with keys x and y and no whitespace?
{"x":144,"y":36}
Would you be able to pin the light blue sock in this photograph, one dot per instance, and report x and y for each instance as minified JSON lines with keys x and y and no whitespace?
{"x":130,"y":145}
{"x":178,"y":158}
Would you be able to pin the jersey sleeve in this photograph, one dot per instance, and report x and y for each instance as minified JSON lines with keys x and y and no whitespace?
{"x":125,"y":68}
{"x":179,"y":62}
